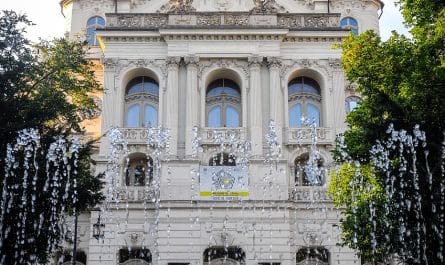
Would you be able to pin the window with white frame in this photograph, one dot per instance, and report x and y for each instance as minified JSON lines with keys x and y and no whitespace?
{"x":304,"y":101}
{"x":223,"y":104}
{"x":349,"y":23}
{"x":141,"y":102}
{"x":351,"y":103}
{"x":93,"y":24}
{"x":139,"y":171}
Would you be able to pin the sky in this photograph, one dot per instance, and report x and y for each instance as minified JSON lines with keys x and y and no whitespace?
{"x":50,"y":22}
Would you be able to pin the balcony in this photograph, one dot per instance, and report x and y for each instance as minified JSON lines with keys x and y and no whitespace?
{"x":301,"y":136}
{"x":216,"y":136}
{"x":308,"y":194}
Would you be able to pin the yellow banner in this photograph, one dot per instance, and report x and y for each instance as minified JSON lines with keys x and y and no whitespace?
{"x":224,"y":194}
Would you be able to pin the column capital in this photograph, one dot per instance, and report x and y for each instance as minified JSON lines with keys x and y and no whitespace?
{"x":255,"y":61}
{"x":172,"y":61}
{"x":274,"y":62}
{"x":191,"y":60}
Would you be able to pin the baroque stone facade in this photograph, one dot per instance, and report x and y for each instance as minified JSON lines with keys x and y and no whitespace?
{"x":266,"y":52}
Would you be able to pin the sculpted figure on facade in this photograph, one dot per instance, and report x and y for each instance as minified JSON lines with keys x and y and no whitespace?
{"x":178,"y":6}
{"x":267,"y":6}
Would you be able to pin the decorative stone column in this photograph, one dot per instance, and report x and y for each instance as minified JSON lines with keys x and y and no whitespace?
{"x":255,"y":106}
{"x":276,"y":103}
{"x":192,"y":101}
{"x":171,"y":103}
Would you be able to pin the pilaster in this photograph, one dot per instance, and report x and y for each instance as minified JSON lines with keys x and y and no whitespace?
{"x":111,"y":104}
{"x":276,"y":95}
{"x":192,"y":101}
{"x":171,"y":103}
{"x":255,"y":106}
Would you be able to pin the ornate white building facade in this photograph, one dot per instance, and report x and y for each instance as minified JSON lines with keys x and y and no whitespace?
{"x":230,"y":66}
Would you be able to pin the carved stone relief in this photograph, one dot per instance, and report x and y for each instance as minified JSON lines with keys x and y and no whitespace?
{"x":320,"y":21}
{"x":348,"y":5}
{"x":203,"y":67}
{"x":236,"y":20}
{"x":291,"y":21}
{"x":121,"y":65}
{"x":178,"y":6}
{"x":320,"y":65}
{"x":209,"y":20}
{"x":97,"y":4}
{"x":267,"y":6}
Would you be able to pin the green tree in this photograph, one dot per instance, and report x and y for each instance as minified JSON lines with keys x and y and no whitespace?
{"x":402,"y":83}
{"x":47,"y":87}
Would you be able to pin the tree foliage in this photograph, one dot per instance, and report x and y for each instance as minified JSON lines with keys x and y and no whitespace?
{"x":47,"y":87}
{"x":402,"y":83}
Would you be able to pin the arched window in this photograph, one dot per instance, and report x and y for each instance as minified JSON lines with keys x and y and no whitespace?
{"x":139,"y":171}
{"x":349,"y":23}
{"x":308,"y":173}
{"x":312,"y":256}
{"x":135,"y":256}
{"x":93,"y":24}
{"x":222,"y":159}
{"x":229,"y":255}
{"x":351,"y":103}
{"x":223,"y":104}
{"x":304,"y":99}
{"x":141,"y":102}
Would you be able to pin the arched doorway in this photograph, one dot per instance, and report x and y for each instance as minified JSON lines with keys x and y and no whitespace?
{"x":219,"y":255}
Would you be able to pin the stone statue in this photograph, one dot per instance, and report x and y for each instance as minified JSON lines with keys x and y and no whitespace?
{"x":266,"y":6}
{"x":178,"y":6}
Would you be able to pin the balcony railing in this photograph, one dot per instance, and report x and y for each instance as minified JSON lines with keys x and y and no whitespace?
{"x":230,"y":19}
{"x":216,"y":135}
{"x":136,"y":135}
{"x":132,"y":193}
{"x":297,"y":136}
{"x":308,"y":194}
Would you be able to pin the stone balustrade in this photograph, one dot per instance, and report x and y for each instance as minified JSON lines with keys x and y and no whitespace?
{"x":209,"y":135}
{"x":229,"y":19}
{"x":136,"y":135}
{"x":297,"y":136}
{"x":135,"y":193}
{"x":140,"y":135}
{"x":308,"y":194}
